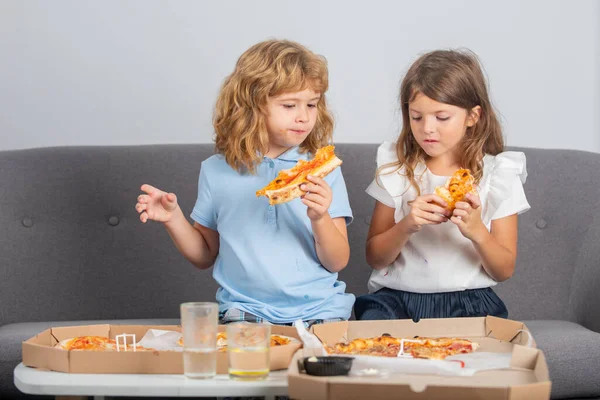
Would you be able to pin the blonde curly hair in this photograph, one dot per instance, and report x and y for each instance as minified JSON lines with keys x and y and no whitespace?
{"x":267,"y":69}
{"x":452,"y":77}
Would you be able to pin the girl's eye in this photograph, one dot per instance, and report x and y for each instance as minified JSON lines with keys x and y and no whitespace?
{"x":443,"y":119}
{"x":416,"y":118}
{"x":312,"y":105}
{"x":289,"y":105}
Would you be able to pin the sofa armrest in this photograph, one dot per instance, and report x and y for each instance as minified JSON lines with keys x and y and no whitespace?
{"x":585,"y":286}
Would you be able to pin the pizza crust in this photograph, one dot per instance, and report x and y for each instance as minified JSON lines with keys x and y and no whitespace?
{"x":63,"y":344}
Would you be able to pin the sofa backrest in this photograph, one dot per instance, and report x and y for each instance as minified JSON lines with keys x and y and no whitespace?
{"x":72,"y":246}
{"x":558,"y":261}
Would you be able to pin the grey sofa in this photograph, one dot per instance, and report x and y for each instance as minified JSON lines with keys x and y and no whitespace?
{"x":72,"y":249}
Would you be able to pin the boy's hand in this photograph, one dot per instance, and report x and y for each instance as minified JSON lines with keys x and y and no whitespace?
{"x":426,"y":210}
{"x":318,"y":197}
{"x":467,"y":217}
{"x":156,"y":204}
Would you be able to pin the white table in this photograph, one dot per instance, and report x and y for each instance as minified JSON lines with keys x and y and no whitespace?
{"x":35,"y":381}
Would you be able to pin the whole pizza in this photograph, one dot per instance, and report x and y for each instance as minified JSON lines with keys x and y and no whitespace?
{"x":417,"y":347}
{"x":95,"y":343}
{"x":276,"y":340}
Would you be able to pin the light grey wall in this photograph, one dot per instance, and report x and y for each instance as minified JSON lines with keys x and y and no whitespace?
{"x":140,"y":72}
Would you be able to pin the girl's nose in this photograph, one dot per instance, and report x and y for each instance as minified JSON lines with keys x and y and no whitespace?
{"x":429,"y":125}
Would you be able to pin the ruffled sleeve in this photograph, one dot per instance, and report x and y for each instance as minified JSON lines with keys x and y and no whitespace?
{"x":389,"y":185}
{"x":508,"y":173}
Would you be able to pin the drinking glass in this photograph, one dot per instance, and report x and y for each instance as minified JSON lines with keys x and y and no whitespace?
{"x":199,"y":324}
{"x":248,"y":350}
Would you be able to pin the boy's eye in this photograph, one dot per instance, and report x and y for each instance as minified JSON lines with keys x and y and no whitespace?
{"x":289,"y":105}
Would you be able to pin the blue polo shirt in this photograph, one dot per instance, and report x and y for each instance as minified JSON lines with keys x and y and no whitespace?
{"x":267,"y":263}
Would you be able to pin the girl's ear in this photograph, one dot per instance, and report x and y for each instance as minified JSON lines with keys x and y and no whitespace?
{"x":474,"y":116}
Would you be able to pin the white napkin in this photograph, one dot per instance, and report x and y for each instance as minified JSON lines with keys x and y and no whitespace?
{"x":473,"y":363}
{"x":312,"y":346}
{"x":408,"y":366}
{"x":161,"y":340}
{"x":482,"y":361}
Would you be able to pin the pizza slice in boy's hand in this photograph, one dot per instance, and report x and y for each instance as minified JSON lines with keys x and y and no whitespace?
{"x":286,"y":186}
{"x":456,"y":188}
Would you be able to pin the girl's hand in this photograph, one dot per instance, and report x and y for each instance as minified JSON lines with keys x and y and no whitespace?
{"x":156,"y":204}
{"x":428,"y":209}
{"x":467,"y":216}
{"x":317,"y":198}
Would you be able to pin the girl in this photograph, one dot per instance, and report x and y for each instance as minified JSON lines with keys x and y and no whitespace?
{"x":430,"y":262}
{"x":278,"y":263}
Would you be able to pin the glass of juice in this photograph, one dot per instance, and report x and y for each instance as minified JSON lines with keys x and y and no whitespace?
{"x":248,"y":350}
{"x":199,"y":325}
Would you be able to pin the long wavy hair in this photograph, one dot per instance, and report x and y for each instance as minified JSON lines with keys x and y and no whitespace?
{"x":452,"y":77}
{"x":267,"y":69}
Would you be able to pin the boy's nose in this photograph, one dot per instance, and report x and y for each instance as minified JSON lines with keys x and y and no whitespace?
{"x":302,"y":115}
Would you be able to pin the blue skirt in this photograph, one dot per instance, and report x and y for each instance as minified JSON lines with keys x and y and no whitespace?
{"x":398,"y":304}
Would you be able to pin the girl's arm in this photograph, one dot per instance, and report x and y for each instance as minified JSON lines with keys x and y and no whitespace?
{"x":331,"y":240}
{"x":386,"y":238}
{"x":498,"y":248}
{"x":200,"y":245}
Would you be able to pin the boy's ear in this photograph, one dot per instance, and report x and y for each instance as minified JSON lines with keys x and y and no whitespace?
{"x":474,"y":115}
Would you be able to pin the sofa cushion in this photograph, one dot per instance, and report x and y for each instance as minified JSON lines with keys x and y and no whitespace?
{"x":573,"y":355}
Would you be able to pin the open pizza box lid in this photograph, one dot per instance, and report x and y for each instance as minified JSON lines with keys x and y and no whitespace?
{"x":39,"y":352}
{"x":525,"y":377}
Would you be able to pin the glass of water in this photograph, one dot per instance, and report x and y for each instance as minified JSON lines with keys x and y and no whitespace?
{"x":248,"y":350}
{"x":199,"y":324}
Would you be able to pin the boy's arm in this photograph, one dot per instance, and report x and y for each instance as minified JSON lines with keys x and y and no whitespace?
{"x":331,"y":241}
{"x":198,"y":244}
{"x":331,"y":235}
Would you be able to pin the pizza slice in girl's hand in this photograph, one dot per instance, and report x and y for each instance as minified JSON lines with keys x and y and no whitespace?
{"x":286,"y":186}
{"x":456,"y":188}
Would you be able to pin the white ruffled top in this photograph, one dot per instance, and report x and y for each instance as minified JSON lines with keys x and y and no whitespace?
{"x":439,"y":258}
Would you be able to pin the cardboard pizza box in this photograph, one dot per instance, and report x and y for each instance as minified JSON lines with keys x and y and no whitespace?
{"x":39,"y":352}
{"x":526,"y":378}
